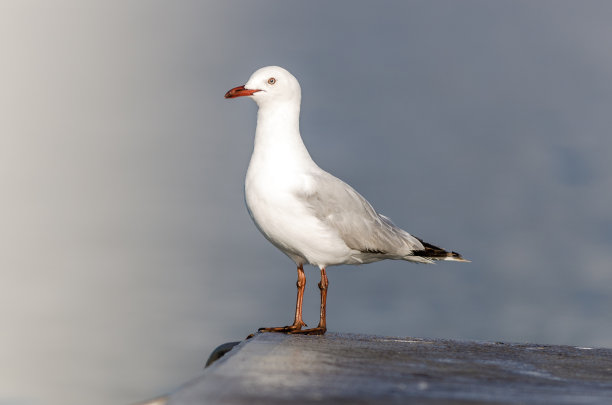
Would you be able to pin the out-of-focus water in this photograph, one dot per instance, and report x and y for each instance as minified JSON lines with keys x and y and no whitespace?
{"x":126,"y":252}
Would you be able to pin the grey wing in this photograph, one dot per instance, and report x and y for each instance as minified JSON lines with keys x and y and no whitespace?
{"x":343,"y":209}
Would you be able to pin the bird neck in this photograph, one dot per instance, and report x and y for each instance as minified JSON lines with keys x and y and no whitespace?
{"x":277,"y":138}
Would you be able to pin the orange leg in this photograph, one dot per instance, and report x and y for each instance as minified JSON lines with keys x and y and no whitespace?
{"x":297,"y":321}
{"x":321,"y":328}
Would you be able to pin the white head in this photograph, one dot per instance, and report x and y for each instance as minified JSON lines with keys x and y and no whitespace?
{"x":271,"y":84}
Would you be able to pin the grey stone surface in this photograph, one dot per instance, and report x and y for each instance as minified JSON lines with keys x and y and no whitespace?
{"x":356,"y":369}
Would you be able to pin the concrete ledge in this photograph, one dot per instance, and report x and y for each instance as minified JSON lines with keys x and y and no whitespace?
{"x":357,"y":369}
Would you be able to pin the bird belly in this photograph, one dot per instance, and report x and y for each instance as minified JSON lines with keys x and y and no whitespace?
{"x":287,"y":223}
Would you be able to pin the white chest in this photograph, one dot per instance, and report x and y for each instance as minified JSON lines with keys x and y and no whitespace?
{"x":271,"y":195}
{"x":273,"y":199}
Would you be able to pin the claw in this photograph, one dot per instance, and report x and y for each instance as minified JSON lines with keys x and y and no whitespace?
{"x":283,"y":329}
{"x":312,"y":331}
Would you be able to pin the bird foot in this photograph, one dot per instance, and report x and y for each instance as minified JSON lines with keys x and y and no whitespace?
{"x":319,"y":330}
{"x":285,"y":329}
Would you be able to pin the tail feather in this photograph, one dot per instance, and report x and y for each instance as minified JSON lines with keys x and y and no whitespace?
{"x":435,"y":253}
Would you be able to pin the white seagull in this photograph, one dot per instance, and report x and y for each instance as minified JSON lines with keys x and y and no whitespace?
{"x":310,"y":215}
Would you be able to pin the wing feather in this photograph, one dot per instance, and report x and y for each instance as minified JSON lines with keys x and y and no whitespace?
{"x":344,"y":210}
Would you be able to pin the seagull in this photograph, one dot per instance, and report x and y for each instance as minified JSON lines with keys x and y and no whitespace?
{"x":307,"y":213}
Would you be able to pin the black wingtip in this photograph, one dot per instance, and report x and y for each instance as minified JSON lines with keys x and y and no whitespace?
{"x":435,"y":253}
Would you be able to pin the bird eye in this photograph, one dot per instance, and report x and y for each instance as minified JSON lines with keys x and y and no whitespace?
{"x":271,"y":80}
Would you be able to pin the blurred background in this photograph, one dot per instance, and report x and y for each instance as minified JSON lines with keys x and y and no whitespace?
{"x":126,"y":252}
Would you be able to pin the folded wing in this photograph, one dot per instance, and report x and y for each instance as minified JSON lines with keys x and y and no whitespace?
{"x":344,"y":210}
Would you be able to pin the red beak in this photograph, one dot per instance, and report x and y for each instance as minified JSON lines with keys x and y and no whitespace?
{"x":239,"y":92}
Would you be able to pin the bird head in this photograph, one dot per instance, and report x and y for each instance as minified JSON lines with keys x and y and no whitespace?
{"x":271,"y":84}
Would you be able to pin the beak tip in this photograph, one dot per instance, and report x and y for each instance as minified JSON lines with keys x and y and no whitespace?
{"x":239,"y":91}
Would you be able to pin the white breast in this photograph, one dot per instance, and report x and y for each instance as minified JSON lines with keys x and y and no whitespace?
{"x":271,"y":194}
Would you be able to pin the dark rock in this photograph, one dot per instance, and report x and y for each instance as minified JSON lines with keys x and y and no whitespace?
{"x":220,"y":352}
